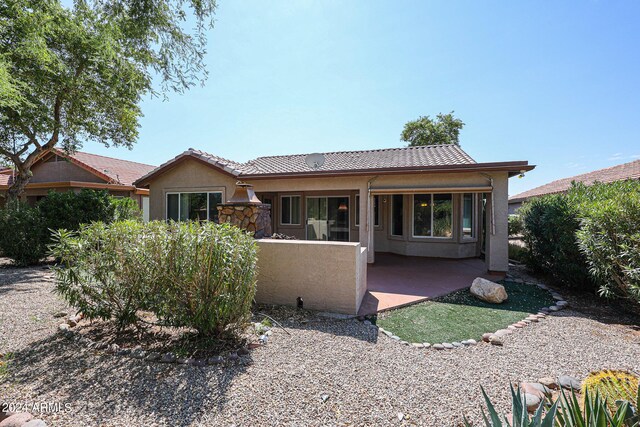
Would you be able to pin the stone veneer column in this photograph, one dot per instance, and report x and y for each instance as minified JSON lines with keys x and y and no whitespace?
{"x":251,"y":217}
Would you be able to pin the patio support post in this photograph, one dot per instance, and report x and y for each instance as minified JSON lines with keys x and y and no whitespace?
{"x":497,"y":239}
{"x":364,"y":232}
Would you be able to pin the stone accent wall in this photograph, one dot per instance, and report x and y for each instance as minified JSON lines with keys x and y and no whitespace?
{"x":253,"y":218}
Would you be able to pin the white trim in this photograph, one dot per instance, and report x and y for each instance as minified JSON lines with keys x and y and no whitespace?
{"x":207,"y":192}
{"x":299,"y":196}
{"x":306,"y":228}
{"x":432,"y":237}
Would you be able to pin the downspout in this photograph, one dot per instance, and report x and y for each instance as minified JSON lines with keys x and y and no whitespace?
{"x":369,"y":242}
{"x":493,"y":217}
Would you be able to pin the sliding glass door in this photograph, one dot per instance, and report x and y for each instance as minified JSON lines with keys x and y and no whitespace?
{"x":328,"y":218}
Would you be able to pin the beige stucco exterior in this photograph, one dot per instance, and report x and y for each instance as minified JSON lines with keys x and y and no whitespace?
{"x":328,"y":276}
{"x":191,"y":175}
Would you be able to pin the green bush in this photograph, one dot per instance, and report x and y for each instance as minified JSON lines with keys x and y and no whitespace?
{"x":550,"y":226}
{"x":609,"y":236}
{"x":125,"y":208}
{"x":23,"y":234}
{"x":196,"y":275}
{"x":515,"y":225}
{"x":67,"y":210}
{"x":517,"y":252}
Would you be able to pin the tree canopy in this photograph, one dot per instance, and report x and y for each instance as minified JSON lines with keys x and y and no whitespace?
{"x":74,"y":74}
{"x":445,"y":129}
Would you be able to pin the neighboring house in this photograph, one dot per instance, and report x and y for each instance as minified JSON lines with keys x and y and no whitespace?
{"x":622,"y":172}
{"x":418,"y":201}
{"x":60,"y":171}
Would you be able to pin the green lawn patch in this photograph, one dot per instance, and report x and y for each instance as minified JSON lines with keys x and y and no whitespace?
{"x":459,"y":315}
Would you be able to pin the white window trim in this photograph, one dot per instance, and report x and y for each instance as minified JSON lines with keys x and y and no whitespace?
{"x":375,"y":217}
{"x":391,"y":216}
{"x":166,"y":199}
{"x":413,"y":196}
{"x":306,"y":231}
{"x":281,"y":210}
{"x":474,"y":213}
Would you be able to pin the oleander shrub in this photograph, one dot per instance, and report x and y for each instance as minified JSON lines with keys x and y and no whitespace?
{"x":23,"y":234}
{"x":189,"y":274}
{"x":550,"y":225}
{"x":515,"y":225}
{"x":609,"y":236}
{"x":517,"y":252}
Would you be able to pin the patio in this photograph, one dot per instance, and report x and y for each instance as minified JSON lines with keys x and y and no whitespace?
{"x":397,"y":280}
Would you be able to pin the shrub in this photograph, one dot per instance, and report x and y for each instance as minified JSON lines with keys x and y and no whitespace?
{"x":550,"y":225}
{"x":125,"y":208}
{"x":23,"y":234}
{"x":517,"y":252}
{"x":609,"y":236}
{"x":515,"y":225}
{"x":67,"y":210}
{"x":197,"y":275}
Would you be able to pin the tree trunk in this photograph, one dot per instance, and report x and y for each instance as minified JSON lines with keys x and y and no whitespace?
{"x":20,"y":181}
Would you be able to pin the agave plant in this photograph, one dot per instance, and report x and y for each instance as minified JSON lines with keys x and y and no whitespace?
{"x":566,"y":411}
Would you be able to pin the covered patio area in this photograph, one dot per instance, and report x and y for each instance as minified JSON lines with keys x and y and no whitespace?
{"x":398,"y":280}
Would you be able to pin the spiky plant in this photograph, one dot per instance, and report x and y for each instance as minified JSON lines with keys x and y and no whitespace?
{"x":612,"y":385}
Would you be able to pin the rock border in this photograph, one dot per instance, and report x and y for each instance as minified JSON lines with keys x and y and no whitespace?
{"x":232,"y":358}
{"x":495,"y":338}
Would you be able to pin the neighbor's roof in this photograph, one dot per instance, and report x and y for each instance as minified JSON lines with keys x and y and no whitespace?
{"x":113,"y":171}
{"x":622,"y":172}
{"x":341,"y":162}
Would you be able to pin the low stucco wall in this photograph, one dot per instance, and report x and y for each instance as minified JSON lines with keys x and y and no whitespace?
{"x":329,"y":276}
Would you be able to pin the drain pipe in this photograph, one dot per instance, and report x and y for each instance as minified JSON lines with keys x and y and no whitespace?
{"x":369,"y":242}
{"x":493,"y":215}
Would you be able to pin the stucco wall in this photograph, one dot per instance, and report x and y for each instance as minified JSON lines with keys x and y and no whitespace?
{"x":328,"y":276}
{"x":188,"y":176}
{"x":61,"y":171}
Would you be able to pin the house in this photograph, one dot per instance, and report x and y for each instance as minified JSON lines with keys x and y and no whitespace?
{"x":60,"y":171}
{"x":426,"y":201}
{"x":622,"y":172}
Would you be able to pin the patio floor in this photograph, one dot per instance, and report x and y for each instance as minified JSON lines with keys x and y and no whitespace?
{"x":396,"y":280}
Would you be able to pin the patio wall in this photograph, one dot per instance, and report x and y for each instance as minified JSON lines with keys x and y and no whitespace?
{"x":329,"y":276}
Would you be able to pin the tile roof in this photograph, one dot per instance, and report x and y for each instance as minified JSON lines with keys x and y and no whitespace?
{"x":119,"y":171}
{"x":115,"y":171}
{"x":340,"y":161}
{"x":629,"y":170}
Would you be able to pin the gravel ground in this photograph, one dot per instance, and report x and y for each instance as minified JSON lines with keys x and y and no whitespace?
{"x":368,"y":379}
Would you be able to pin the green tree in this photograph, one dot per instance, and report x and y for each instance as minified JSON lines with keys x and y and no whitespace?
{"x":74,"y":74}
{"x":445,"y":129}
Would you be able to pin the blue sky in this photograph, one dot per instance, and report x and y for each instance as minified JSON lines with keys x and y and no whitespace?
{"x":554,"y":83}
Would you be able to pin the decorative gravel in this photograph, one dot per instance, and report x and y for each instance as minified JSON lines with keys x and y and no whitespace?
{"x":327,"y":372}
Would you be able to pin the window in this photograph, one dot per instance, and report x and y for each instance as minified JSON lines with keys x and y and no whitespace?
{"x":376,"y":210}
{"x":397,"y":220}
{"x":468,"y":216}
{"x":193,"y":206}
{"x":290,"y":210}
{"x":433,"y":215}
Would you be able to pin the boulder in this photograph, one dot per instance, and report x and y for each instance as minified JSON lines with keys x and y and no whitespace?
{"x":17,"y":420}
{"x":488,"y":291}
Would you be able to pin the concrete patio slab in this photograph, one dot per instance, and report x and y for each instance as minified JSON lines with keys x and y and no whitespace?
{"x":397,"y":280}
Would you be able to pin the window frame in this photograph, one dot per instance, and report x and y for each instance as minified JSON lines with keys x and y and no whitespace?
{"x":474,"y":216}
{"x":413,"y":236}
{"x":290,"y":196}
{"x":377,"y":219}
{"x":392,"y":217}
{"x":179,"y":193}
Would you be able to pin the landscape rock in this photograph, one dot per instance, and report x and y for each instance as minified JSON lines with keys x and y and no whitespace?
{"x":488,"y":291}
{"x":485,"y":337}
{"x":37,"y":422}
{"x":16,"y":420}
{"x":554,"y":308}
{"x":495,"y":340}
{"x":243,"y":351}
{"x":438,"y":346}
{"x":153,"y":356}
{"x":565,"y":381}
{"x":215,"y":360}
{"x":60,"y":314}
{"x":536,"y":389}
{"x":63,"y":327}
{"x":549,"y":382}
{"x":532,"y":401}
{"x":168,"y":358}
{"x":447,"y":345}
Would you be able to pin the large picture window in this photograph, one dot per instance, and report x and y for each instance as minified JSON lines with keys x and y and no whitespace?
{"x":468,"y":216}
{"x":433,"y":215}
{"x":376,"y":210}
{"x":290,"y":210}
{"x":193,"y":206}
{"x":397,"y":213}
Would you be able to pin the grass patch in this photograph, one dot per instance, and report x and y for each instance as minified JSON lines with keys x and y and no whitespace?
{"x":459,"y":315}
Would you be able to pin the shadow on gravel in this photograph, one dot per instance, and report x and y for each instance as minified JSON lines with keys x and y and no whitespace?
{"x":104,"y":384}
{"x":19,"y":279}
